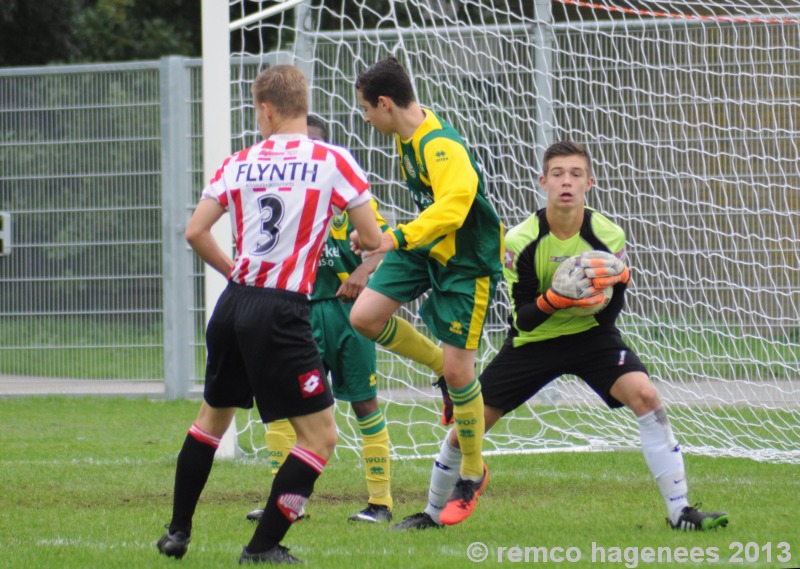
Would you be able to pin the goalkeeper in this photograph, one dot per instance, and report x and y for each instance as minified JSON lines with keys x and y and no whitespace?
{"x":349,"y":357}
{"x":546,"y":341}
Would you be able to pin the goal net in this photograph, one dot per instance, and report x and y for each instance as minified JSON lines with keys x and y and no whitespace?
{"x":690,"y":110}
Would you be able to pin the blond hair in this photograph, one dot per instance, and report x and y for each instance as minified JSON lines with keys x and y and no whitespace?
{"x":285,"y":88}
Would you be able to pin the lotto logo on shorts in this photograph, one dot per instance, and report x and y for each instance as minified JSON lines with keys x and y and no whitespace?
{"x":311,"y":384}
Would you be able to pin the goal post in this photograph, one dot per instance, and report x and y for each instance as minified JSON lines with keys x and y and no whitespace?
{"x":217,"y":147}
{"x":692,"y":119}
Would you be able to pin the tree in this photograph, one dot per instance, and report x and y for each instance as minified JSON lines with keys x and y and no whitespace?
{"x":37,"y":33}
{"x":86,"y":31}
{"x":124,"y":30}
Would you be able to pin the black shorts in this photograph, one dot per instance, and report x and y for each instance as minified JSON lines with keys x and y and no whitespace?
{"x":598,"y":356}
{"x":260,"y":346}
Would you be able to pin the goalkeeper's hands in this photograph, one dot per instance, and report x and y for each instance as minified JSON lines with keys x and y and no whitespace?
{"x":571,"y":286}
{"x":570,"y":280}
{"x":604,"y":269}
{"x":447,"y":402}
{"x":551,"y":300}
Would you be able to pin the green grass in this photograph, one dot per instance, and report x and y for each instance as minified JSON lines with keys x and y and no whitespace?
{"x":87,"y":482}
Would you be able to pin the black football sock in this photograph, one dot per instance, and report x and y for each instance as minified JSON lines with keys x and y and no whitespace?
{"x":194,"y":464}
{"x":291,"y":488}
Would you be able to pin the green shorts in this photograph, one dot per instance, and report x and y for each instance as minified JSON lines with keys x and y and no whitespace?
{"x":347,"y":355}
{"x":456,"y":307}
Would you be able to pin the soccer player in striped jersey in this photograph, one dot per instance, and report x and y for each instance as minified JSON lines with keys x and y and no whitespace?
{"x":452,"y":250}
{"x":281,"y":195}
{"x":348,"y":356}
{"x":546,"y":340}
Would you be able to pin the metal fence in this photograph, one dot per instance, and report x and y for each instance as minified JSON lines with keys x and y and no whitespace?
{"x":100,"y":169}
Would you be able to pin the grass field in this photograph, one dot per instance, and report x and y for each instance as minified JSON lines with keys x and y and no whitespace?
{"x":88,"y":482}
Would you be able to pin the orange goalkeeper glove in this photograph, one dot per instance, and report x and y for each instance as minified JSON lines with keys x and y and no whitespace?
{"x":604,"y":269}
{"x":570,"y":287}
{"x":551,"y":301}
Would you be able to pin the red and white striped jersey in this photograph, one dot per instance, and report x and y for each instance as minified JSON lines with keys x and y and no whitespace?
{"x":281,"y":195}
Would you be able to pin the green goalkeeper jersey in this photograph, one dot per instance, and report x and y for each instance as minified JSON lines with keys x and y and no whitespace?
{"x":337,"y":260}
{"x":531,"y":258}
{"x":457,"y":224}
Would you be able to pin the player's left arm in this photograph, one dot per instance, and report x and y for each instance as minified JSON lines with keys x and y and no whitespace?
{"x":608,"y":316}
{"x":367,"y":235}
{"x":454,"y":183}
{"x":198,"y":234}
{"x":605,"y":269}
{"x":612,"y":270}
{"x":356,"y":281}
{"x":381,"y":221}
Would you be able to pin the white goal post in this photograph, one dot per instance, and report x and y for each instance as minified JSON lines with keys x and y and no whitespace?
{"x":692,"y":116}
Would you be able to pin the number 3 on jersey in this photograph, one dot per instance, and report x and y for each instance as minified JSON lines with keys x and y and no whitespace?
{"x":271,"y":208}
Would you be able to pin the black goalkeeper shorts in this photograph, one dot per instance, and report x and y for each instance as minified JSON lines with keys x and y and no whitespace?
{"x":598,"y":356}
{"x":260,"y":346}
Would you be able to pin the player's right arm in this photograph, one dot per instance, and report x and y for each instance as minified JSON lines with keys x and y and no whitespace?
{"x":198,"y":234}
{"x":519,"y":271}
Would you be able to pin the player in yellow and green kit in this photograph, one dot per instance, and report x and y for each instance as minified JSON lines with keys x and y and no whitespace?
{"x":349,"y":357}
{"x":451,"y":250}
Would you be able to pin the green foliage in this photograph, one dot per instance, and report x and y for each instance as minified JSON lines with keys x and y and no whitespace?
{"x":87,"y":31}
{"x":37,"y":33}
{"x":123,"y":30}
{"x":88,"y":483}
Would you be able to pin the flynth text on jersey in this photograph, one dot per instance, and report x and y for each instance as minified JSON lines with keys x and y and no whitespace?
{"x":277,"y":172}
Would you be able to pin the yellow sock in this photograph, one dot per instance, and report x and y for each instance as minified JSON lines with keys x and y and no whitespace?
{"x":280,"y":439}
{"x":400,"y":337}
{"x":470,"y":427}
{"x":375,"y":452}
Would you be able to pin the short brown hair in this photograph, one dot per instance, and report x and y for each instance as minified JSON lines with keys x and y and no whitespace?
{"x":284,"y":87}
{"x":565,"y":148}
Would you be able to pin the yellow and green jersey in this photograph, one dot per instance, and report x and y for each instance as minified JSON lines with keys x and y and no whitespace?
{"x":532,"y":256}
{"x":337,"y":260}
{"x":457,"y":224}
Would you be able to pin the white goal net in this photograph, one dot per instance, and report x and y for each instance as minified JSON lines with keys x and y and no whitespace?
{"x":692,"y":114}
